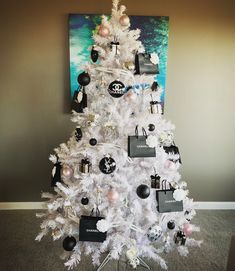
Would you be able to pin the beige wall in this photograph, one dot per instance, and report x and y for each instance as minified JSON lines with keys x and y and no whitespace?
{"x":34,"y":89}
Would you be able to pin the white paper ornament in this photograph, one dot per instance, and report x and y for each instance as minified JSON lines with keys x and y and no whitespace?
{"x":102,"y":225}
{"x":180,"y":194}
{"x":152,"y":141}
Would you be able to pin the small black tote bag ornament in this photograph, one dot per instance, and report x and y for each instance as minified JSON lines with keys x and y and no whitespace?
{"x":87,"y":228}
{"x":137,"y":146}
{"x":173,"y":149}
{"x":166,"y":201}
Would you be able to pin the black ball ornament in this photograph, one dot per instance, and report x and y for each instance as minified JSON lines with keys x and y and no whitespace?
{"x":143,"y":191}
{"x":151,"y":127}
{"x":93,"y":141}
{"x":69,"y":243}
{"x":116,"y":89}
{"x":83,"y":79}
{"x":94,"y":54}
{"x":171,"y":225}
{"x":78,"y":134}
{"x":107,"y":165}
{"x":84,"y":201}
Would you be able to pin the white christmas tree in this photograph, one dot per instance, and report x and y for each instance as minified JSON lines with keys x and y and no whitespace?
{"x":117,"y":186}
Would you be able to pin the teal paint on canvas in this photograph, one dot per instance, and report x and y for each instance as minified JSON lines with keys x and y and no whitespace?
{"x":154,"y":36}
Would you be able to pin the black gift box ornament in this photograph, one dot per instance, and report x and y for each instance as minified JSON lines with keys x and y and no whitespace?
{"x":166,"y":201}
{"x":85,"y":166}
{"x":180,"y":238}
{"x":155,"y":181}
{"x":88,"y":230}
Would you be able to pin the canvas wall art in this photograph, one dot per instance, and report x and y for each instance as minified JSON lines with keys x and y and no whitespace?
{"x":154,"y":36}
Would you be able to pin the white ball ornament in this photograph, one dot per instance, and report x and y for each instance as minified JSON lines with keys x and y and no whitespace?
{"x":67,"y":171}
{"x":124,"y":20}
{"x":103,"y":31}
{"x":154,"y":233}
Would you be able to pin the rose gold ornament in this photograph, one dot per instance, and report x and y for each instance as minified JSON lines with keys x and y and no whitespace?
{"x":67,"y":171}
{"x":103,"y":31}
{"x":188,"y":229}
{"x":112,"y":195}
{"x":124,"y":20}
{"x":130,"y":96}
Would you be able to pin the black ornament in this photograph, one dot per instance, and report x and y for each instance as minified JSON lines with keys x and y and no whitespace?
{"x":143,"y":191}
{"x":79,"y":101}
{"x":83,"y":79}
{"x":78,"y":134}
{"x":116,"y":89}
{"x":56,"y":174}
{"x":94,"y":54}
{"x":107,"y":165}
{"x":84,"y":201}
{"x":151,"y":127}
{"x":69,"y":243}
{"x":171,"y":225}
{"x":180,"y":238}
{"x":155,"y":86}
{"x":93,"y":141}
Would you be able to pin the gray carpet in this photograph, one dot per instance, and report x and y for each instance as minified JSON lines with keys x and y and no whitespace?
{"x":19,"y":251}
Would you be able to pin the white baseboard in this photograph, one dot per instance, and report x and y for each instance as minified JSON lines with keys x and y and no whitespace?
{"x":215,"y":205}
{"x":199,"y":205}
{"x":22,"y":205}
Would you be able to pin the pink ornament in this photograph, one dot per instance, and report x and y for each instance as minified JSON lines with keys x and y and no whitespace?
{"x":130,"y":96}
{"x":112,"y":195}
{"x":171,"y":165}
{"x":188,"y":229}
{"x":67,"y":171}
{"x":103,"y":31}
{"x":124,"y":20}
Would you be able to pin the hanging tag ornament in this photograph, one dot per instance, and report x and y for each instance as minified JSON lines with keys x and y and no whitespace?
{"x":116,"y":89}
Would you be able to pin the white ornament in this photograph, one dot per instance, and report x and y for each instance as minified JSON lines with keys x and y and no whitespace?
{"x":152,"y":141}
{"x":154,"y":58}
{"x":131,"y":255}
{"x":166,"y":138}
{"x":154,"y":233}
{"x":180,"y":194}
{"x":102,"y":225}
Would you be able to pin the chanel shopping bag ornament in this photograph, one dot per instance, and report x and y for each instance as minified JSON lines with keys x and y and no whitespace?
{"x":166,"y":201}
{"x":146,"y":63}
{"x":137,"y":146}
{"x":88,"y":229}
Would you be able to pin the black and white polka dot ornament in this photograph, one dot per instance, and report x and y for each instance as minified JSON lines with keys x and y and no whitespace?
{"x":154,"y":233}
{"x":116,"y":89}
{"x":107,"y":165}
